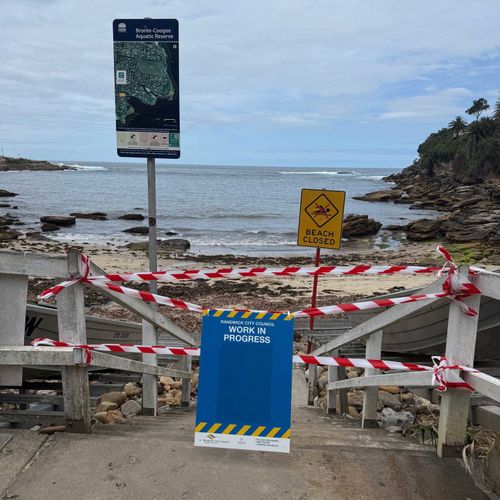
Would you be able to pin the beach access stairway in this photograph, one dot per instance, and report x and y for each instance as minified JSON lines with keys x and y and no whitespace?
{"x":460,"y":349}
{"x":74,"y":363}
{"x":148,"y":457}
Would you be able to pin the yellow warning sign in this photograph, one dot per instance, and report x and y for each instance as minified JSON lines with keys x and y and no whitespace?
{"x":320,"y":219}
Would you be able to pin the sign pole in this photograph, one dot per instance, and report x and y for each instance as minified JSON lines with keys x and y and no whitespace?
{"x":314,"y":292}
{"x":320,"y":226}
{"x":149,"y":333}
{"x":153,"y":260}
{"x":146,"y":56}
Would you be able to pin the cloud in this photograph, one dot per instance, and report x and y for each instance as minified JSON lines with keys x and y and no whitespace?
{"x":442,"y":104}
{"x":294,"y":64}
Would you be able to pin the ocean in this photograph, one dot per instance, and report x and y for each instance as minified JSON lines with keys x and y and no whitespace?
{"x":219,"y":209}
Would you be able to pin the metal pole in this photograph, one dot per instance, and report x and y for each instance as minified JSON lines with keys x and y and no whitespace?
{"x":315,"y":286}
{"x":153,"y":259}
{"x":149,"y":334}
{"x":312,"y":368}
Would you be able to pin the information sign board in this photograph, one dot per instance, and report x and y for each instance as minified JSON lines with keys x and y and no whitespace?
{"x":146,"y":63}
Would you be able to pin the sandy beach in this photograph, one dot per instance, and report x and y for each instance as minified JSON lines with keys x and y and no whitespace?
{"x":284,"y":293}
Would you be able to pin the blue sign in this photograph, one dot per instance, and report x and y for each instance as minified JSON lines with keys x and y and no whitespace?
{"x":245,"y":384}
{"x":146,"y":55}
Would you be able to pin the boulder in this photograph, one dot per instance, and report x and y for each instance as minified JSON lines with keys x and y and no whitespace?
{"x":59,"y":220}
{"x":401,"y":419}
{"x":9,"y":234}
{"x":424,"y":229}
{"x":422,"y":405}
{"x":355,"y":398}
{"x":174,"y":245}
{"x":162,"y":402}
{"x":137,"y":230}
{"x":395,"y":227}
{"x":176,"y":400}
{"x":467,"y":202}
{"x":132,"y":390}
{"x":101,"y":416}
{"x":494,"y":239}
{"x":105,"y":406}
{"x":358,"y":371}
{"x":423,"y":205}
{"x":7,"y":220}
{"x":138,"y":246}
{"x":166,"y":380}
{"x":90,"y":215}
{"x":6,"y":194}
{"x":407,"y":398}
{"x":393,"y":389}
{"x":131,"y":408}
{"x":170,"y":233}
{"x":49,"y":227}
{"x":115,"y":397}
{"x":4,"y":205}
{"x":163,"y":410}
{"x":386,"y":399}
{"x":468,"y":234}
{"x":322,"y":381}
{"x":132,"y":217}
{"x":352,"y":412}
{"x":194,"y":383}
{"x":36,"y":235}
{"x":359,"y":225}
{"x":114,"y":416}
{"x":383,"y":195}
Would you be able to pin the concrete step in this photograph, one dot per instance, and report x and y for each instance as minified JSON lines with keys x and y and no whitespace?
{"x":311,"y":429}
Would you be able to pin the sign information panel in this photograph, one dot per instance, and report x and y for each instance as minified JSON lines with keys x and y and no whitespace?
{"x":146,"y":55}
{"x":320,"y":219}
{"x":245,"y":384}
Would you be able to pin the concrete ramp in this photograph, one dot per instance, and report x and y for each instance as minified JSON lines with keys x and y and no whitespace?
{"x":154,"y":458}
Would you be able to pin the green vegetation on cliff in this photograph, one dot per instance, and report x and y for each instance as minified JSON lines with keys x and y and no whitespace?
{"x":472,"y":150}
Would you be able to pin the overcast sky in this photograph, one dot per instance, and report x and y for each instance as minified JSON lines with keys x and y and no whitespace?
{"x":341,"y":83}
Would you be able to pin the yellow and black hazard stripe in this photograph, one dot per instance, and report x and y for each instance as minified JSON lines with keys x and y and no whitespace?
{"x":243,"y":430}
{"x":269,"y":316}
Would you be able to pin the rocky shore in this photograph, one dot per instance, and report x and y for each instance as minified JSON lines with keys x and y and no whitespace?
{"x":470,"y":212}
{"x":8,"y":163}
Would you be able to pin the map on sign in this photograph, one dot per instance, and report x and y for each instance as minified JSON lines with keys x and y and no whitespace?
{"x":146,"y":63}
{"x":321,"y":210}
{"x":142,"y":74}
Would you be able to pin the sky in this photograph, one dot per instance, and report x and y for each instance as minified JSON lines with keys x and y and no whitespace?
{"x":312,"y":83}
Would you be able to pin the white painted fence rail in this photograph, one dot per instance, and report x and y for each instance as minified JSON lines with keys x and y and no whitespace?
{"x":460,"y":349}
{"x":15,"y":269}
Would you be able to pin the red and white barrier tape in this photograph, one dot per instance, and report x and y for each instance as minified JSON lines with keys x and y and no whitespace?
{"x":444,"y":374}
{"x":255,"y":272}
{"x":456,"y":287}
{"x":263,"y":272}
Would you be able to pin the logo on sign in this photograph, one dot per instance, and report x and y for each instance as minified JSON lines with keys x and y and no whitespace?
{"x":321,"y":210}
{"x":121,"y":77}
{"x":122,"y":28}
